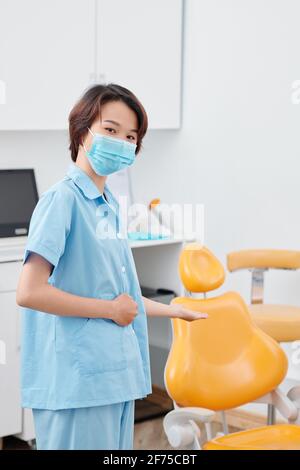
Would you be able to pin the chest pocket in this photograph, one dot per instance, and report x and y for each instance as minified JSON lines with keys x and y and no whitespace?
{"x":100,"y":345}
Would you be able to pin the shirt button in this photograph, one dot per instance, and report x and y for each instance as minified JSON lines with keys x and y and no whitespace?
{"x":123,"y":269}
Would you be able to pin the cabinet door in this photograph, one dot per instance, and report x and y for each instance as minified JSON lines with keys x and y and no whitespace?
{"x":10,"y":408}
{"x":139,"y":47}
{"x":47,"y":59}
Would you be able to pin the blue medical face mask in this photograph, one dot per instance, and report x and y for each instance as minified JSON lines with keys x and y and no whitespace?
{"x":109,"y":154}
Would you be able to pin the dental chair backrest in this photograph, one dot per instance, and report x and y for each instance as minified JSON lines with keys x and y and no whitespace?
{"x":223,"y":361}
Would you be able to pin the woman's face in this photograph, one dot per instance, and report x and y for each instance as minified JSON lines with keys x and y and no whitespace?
{"x":116,"y":120}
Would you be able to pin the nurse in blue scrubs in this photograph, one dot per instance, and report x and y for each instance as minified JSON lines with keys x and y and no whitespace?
{"x":85,"y":354}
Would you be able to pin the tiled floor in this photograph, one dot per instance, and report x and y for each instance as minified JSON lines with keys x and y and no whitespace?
{"x":149,"y":435}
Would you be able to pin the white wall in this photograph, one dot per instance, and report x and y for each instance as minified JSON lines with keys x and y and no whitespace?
{"x":238,"y":149}
{"x":46,"y":152}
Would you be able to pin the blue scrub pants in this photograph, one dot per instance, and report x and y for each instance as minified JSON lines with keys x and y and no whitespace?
{"x":108,"y":427}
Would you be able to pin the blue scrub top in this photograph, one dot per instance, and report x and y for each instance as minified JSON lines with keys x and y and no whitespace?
{"x":71,"y":362}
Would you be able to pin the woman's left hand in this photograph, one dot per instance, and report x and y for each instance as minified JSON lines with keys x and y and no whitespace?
{"x":178,"y":311}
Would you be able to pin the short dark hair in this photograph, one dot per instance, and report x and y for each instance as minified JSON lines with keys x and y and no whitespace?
{"x":88,"y":108}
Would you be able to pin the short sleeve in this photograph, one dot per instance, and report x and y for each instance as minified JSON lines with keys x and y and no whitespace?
{"x":50,"y":225}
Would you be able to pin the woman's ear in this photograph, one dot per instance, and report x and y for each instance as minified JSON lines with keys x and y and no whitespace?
{"x":85,"y":139}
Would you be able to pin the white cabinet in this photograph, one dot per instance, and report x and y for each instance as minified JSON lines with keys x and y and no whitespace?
{"x":10,"y":408}
{"x":139,"y":47}
{"x":13,"y":419}
{"x":51,"y":51}
{"x":47,"y":59}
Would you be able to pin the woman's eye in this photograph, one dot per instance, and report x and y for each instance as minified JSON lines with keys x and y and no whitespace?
{"x":109,"y":129}
{"x":130,"y":137}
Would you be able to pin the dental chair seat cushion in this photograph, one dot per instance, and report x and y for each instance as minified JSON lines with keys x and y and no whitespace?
{"x":281,"y":322}
{"x":277,"y":437}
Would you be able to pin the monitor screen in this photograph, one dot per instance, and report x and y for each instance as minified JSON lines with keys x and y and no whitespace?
{"x":18,"y":198}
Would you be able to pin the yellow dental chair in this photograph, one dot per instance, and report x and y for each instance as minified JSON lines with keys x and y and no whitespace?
{"x":222,"y":362}
{"x":281,"y":322}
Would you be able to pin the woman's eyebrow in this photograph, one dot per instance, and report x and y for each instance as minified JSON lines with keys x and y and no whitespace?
{"x":118,"y":124}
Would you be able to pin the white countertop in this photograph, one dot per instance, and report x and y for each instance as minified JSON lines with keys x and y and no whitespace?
{"x":12,"y":249}
{"x":163,"y":241}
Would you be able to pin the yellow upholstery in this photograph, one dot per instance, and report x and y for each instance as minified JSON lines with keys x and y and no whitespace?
{"x":282,"y":322}
{"x":199,"y":269}
{"x":280,"y":259}
{"x":224,"y":361}
{"x":277,"y":437}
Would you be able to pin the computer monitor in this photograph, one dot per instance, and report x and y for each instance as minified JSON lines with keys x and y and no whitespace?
{"x":18,"y":198}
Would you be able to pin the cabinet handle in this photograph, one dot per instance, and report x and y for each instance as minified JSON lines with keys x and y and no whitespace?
{"x":18,"y":330}
{"x":97,"y":78}
{"x":102,"y":78}
{"x":2,"y":92}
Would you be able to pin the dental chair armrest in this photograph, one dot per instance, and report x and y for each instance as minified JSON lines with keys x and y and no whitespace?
{"x":180,"y":426}
{"x":259,"y":261}
{"x":263,"y":259}
{"x":203,"y":415}
{"x":294,"y":395}
{"x":283,"y":403}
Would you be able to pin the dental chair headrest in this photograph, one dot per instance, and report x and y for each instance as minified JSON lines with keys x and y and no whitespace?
{"x":199,"y":269}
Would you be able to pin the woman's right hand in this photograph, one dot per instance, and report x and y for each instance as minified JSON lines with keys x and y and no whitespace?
{"x":125,"y":309}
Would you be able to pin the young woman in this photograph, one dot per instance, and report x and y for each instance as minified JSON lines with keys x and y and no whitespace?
{"x":85,"y":356}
